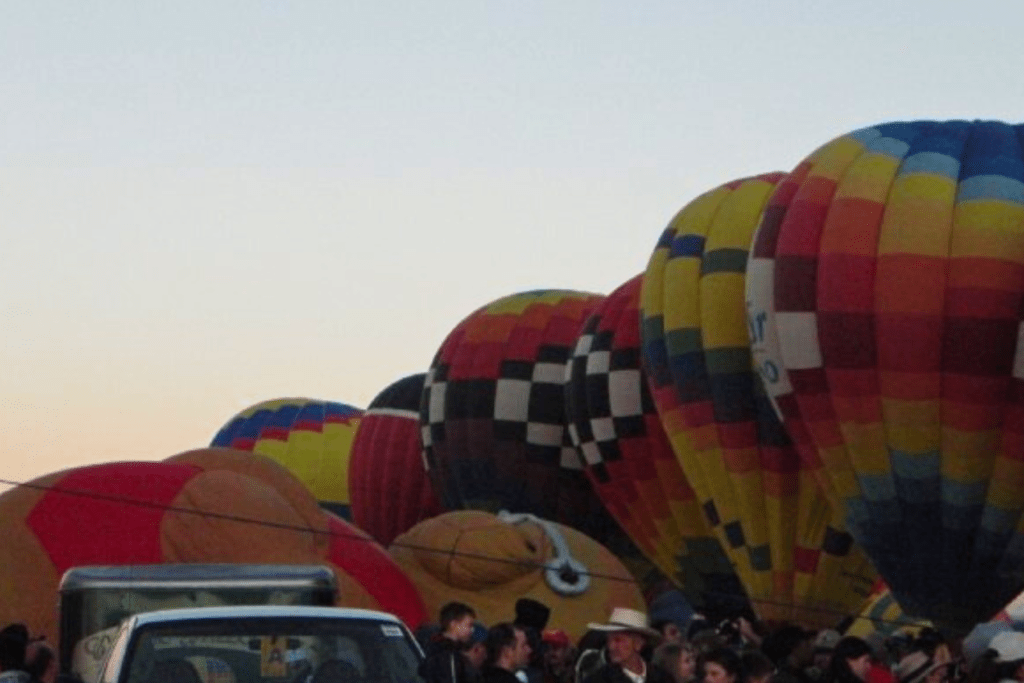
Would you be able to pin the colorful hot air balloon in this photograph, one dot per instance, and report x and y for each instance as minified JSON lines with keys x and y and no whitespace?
{"x":885,"y":296}
{"x":627,"y":456}
{"x":312,"y":438}
{"x":388,"y":484}
{"x":881,"y":616}
{"x":793,"y":558}
{"x":205,"y":506}
{"x":490,"y":562}
{"x":493,"y":411}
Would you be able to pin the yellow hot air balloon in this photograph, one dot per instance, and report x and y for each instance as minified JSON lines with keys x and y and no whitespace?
{"x":311,"y":438}
{"x":791,"y":553}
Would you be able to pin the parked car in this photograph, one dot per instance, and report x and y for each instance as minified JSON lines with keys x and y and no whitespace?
{"x":265,"y":644}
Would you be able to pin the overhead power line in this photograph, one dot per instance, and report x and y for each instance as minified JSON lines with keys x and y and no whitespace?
{"x":270,"y":524}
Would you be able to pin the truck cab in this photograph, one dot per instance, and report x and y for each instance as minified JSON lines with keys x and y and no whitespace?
{"x":94,"y":600}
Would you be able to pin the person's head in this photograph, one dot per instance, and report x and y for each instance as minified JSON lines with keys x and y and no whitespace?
{"x":678,"y":659}
{"x":721,"y":665}
{"x":456,"y":620}
{"x":920,"y":667}
{"x":13,"y":641}
{"x":851,"y":660}
{"x":628,"y":634}
{"x":507,"y":647}
{"x":670,"y":631}
{"x":757,"y":667}
{"x":41,"y":661}
{"x":824,"y":643}
{"x":557,"y":649}
{"x":1008,"y":650}
{"x":789,"y":645}
{"x":531,"y":613}
{"x":476,"y":646}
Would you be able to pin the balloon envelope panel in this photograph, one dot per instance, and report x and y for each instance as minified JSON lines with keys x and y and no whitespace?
{"x":890,"y":281}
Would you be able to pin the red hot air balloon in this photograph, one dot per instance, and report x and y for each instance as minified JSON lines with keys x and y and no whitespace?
{"x":388,"y":485}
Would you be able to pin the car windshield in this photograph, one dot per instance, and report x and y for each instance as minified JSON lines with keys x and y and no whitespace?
{"x":273,"y":650}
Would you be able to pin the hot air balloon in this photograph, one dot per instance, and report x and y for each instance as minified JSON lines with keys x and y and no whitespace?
{"x":490,"y":561}
{"x":493,"y":411}
{"x":885,"y":294}
{"x":205,"y":506}
{"x":388,"y":484}
{"x":796,"y":562}
{"x":881,"y":617}
{"x":628,"y":459}
{"x":312,"y":438}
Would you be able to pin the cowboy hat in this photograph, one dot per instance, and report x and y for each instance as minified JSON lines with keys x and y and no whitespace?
{"x":625,"y":619}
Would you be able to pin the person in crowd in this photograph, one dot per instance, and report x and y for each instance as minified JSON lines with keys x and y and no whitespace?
{"x":507,"y":652}
{"x":791,"y":650}
{"x":13,"y":642}
{"x":628,"y":633}
{"x":922,"y":667}
{"x":851,"y":661}
{"x":559,"y":657}
{"x":721,"y":665}
{"x":532,"y":616}
{"x":590,"y":654}
{"x":757,"y":667}
{"x":1003,"y":661}
{"x":41,"y":663}
{"x":476,"y":651}
{"x":670,"y":631}
{"x":444,"y":661}
{"x":824,"y":644}
{"x":678,"y":659}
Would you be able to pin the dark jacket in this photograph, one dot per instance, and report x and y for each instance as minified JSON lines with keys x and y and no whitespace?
{"x":613,"y":673}
{"x":444,"y":662}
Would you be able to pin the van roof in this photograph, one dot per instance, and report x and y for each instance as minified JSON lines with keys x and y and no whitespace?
{"x":262,"y":611}
{"x":195,"y":575}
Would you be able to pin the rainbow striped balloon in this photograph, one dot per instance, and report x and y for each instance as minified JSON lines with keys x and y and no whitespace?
{"x":885,"y":295}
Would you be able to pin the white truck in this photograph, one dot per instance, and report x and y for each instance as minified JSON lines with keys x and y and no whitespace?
{"x":94,"y":600}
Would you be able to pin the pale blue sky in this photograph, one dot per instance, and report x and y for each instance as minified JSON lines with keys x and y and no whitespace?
{"x":208,"y":204}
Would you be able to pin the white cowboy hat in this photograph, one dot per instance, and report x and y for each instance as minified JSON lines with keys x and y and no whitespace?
{"x":625,"y":619}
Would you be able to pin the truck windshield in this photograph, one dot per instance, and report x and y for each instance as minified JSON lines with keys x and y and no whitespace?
{"x":272,"y":650}
{"x":100,"y":610}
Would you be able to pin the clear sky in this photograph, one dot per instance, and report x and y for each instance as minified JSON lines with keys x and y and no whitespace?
{"x":208,"y":204}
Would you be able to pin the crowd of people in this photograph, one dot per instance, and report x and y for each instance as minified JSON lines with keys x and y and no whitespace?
{"x":629,"y":649}
{"x":26,"y":659}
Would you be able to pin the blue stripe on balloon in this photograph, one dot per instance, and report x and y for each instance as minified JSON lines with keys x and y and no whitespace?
{"x":915,"y":465}
{"x":865,"y":135}
{"x":687,"y":245}
{"x":991,"y":187}
{"x":889,"y":146}
{"x":877,"y":488}
{"x":931,"y":162}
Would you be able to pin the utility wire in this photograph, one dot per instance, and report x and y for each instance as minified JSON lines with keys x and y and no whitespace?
{"x":124,"y":500}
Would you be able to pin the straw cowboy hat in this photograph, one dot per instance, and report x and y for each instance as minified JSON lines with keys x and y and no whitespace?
{"x":625,"y":619}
